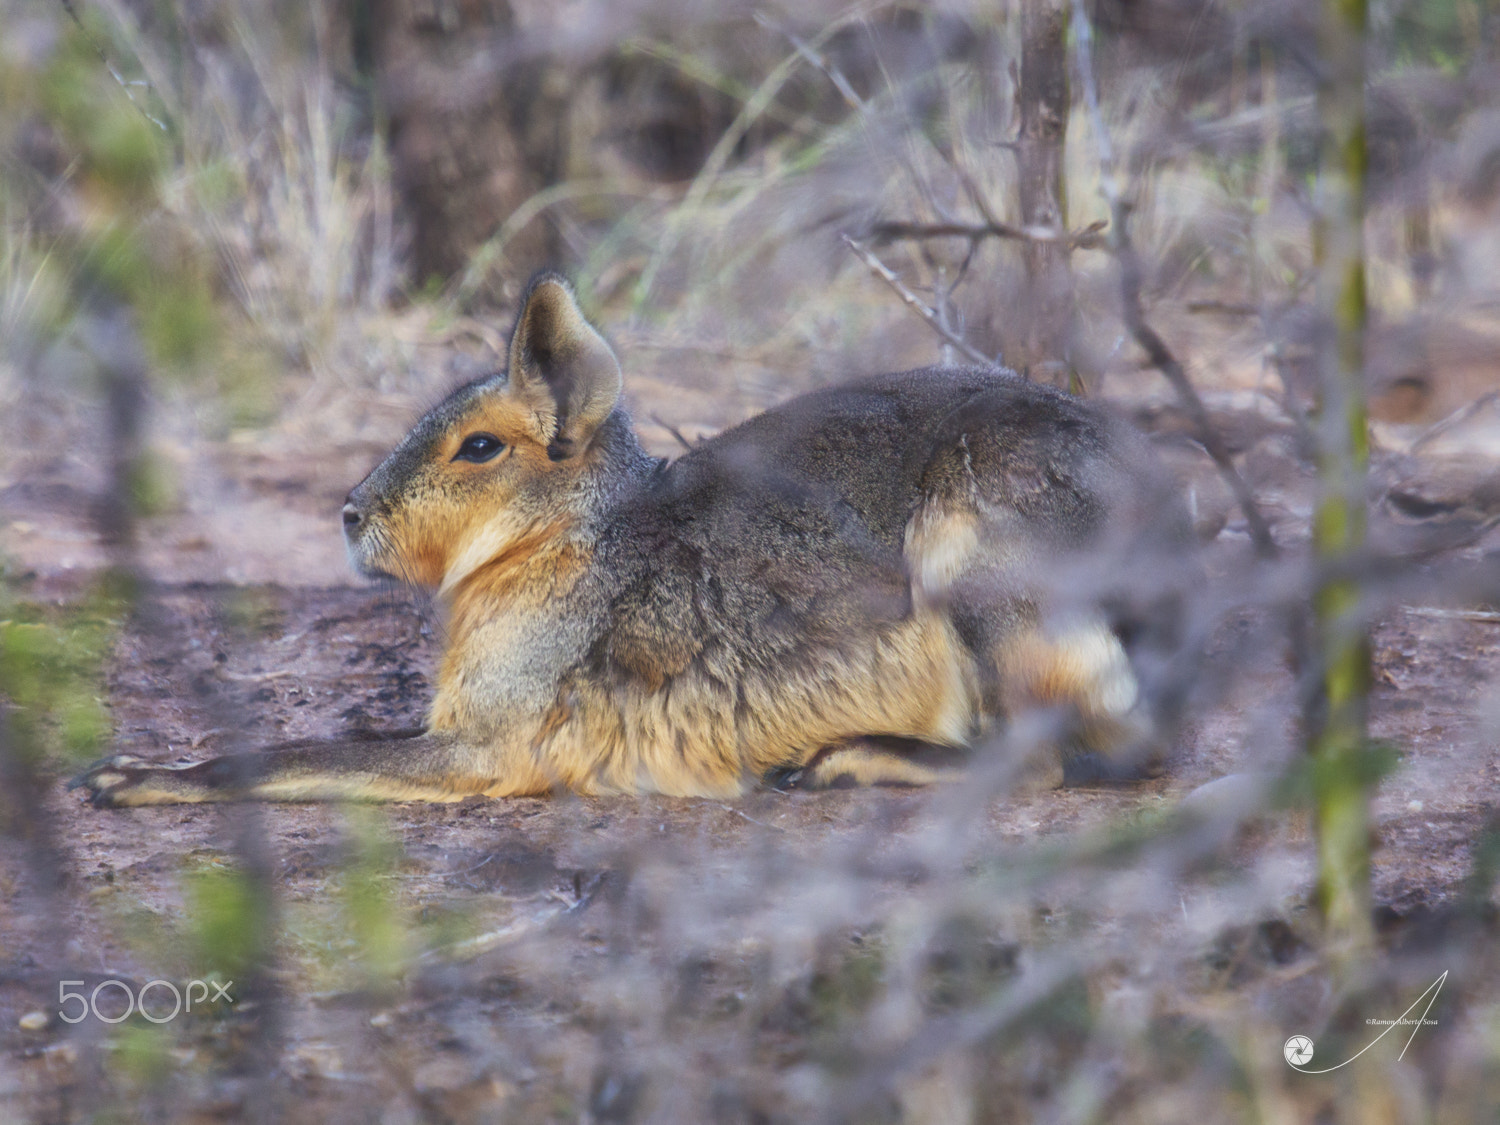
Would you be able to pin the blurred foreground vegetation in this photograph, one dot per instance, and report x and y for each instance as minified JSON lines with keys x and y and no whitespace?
{"x":243,"y":223}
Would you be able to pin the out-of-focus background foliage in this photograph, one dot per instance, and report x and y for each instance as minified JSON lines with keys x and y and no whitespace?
{"x":242,"y":244}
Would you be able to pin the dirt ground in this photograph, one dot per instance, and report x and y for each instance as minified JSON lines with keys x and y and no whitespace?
{"x":844,"y":955}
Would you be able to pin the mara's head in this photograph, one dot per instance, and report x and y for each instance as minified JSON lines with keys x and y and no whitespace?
{"x":496,"y":462}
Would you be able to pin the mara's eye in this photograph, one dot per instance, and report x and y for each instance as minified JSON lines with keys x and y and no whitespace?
{"x":479,"y":448}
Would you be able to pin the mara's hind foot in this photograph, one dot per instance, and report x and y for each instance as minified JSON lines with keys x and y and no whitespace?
{"x":906,"y":762}
{"x":1077,"y":684}
{"x":124,"y":780}
{"x":876,"y":760}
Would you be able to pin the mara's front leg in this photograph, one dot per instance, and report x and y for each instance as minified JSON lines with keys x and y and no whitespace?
{"x":437,"y":766}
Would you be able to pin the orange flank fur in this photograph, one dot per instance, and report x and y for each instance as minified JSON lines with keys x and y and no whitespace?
{"x":694,"y":739}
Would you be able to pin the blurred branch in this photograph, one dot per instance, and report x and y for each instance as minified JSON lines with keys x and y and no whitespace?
{"x":851,"y":98}
{"x":1337,"y":718}
{"x":690,"y":66}
{"x":27,"y":819}
{"x":1486,"y":616}
{"x":1462,"y":414}
{"x":673,"y":430}
{"x":109,"y":66}
{"x":1133,"y":312}
{"x":112,"y":340}
{"x":1088,"y":238}
{"x":719,"y":157}
{"x":922,"y":309}
{"x":1393,"y":99}
{"x":937,"y":1037}
{"x":816,"y":58}
{"x":1223,"y":308}
{"x":1164,"y":361}
{"x":484,"y":259}
{"x":1083,"y":39}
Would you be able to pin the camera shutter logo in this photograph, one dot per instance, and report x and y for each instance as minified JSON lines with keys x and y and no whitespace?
{"x":1298,"y":1050}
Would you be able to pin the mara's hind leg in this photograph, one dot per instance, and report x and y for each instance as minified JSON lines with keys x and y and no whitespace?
{"x":1061,"y":679}
{"x":1080,"y":671}
{"x":880,"y":760}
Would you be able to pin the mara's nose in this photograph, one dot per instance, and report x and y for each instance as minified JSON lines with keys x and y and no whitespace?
{"x":351,"y":516}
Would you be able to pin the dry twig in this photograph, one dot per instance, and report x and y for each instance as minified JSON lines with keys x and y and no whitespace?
{"x":925,"y":311}
{"x":1487,"y":616}
{"x":673,"y":430}
{"x":1462,"y":414}
{"x":1130,"y":297}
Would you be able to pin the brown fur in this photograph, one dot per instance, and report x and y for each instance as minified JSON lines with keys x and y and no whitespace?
{"x":898,"y":561}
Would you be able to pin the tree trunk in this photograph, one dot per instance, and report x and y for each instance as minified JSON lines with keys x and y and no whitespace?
{"x":458,"y":160}
{"x":1042,"y":101}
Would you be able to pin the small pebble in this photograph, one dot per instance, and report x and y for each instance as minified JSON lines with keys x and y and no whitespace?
{"x":1413,"y":806}
{"x":34,"y":1021}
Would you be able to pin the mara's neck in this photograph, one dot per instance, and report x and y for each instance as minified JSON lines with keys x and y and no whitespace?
{"x":623,"y":466}
{"x":545,"y":562}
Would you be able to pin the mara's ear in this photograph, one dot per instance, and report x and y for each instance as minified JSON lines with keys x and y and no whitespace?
{"x":561,"y":368}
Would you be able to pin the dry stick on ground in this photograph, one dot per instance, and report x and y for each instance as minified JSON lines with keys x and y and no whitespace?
{"x":926,"y":312}
{"x":1130,"y":298}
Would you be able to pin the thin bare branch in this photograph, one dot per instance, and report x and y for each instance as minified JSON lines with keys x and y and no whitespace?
{"x":673,"y":430}
{"x":1163,"y":360}
{"x":1462,"y":414}
{"x":922,"y":309}
{"x":1132,"y":310}
{"x":816,"y":58}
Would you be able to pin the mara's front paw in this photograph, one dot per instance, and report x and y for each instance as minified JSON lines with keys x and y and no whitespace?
{"x":124,"y":780}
